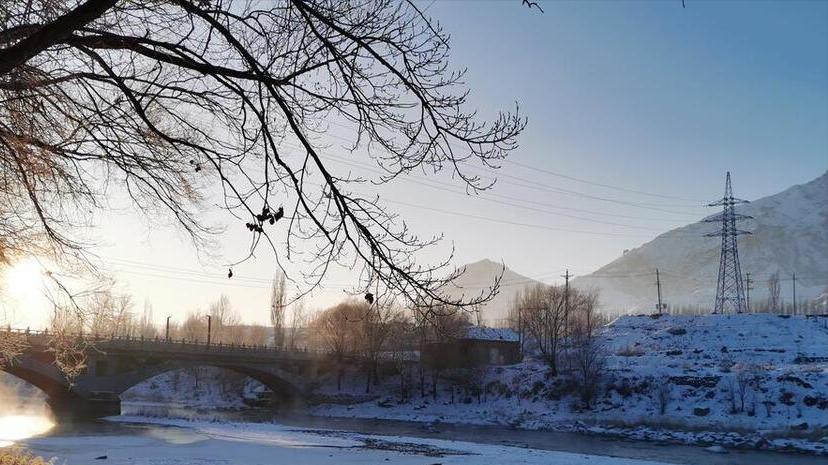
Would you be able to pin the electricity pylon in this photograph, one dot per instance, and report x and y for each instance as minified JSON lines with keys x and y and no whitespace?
{"x":730,"y":291}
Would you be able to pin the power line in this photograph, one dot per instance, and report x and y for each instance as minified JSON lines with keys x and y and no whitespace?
{"x":265,"y":283}
{"x":594,"y":183}
{"x":211,"y":282}
{"x":541,"y":170}
{"x":511,"y":223}
{"x":485,"y":198}
{"x":541,"y":186}
{"x":485,"y":218}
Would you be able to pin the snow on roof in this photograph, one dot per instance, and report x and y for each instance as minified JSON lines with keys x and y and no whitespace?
{"x":491,"y":334}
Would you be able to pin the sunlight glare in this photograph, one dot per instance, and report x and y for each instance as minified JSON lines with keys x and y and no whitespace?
{"x":17,"y":427}
{"x":24,"y":279}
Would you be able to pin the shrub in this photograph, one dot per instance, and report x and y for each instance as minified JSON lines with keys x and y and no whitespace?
{"x":663,"y":394}
{"x":701,"y":412}
{"x":11,"y":456}
{"x":498,"y":388}
{"x":630,"y":351}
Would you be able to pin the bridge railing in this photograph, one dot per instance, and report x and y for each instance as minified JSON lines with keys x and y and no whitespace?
{"x":165,"y":344}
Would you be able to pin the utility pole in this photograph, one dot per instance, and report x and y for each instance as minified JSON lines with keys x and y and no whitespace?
{"x":167,"y":337}
{"x":658,"y":285}
{"x":209,"y":328}
{"x":520,"y":328}
{"x":566,"y":298}
{"x":748,"y":288}
{"x":794,"y":292}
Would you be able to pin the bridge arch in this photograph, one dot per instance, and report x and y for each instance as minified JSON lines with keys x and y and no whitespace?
{"x":51,"y":387}
{"x":274,"y":378}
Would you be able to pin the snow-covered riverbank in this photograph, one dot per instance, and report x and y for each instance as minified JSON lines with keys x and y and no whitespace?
{"x":753,"y":381}
{"x":169,"y":441}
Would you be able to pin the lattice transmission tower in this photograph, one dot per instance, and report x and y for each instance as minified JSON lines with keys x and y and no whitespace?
{"x":730,"y":290}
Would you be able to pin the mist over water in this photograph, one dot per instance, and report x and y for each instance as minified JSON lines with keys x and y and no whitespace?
{"x":23,"y":411}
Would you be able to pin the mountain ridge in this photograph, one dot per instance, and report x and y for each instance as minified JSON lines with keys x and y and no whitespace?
{"x":478,"y":277}
{"x":789,"y":234}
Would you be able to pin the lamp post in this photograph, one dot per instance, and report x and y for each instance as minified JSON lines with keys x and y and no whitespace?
{"x":167,"y":338}
{"x":209,"y":328}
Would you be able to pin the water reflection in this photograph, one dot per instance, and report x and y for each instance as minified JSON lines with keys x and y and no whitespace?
{"x":14,"y":428}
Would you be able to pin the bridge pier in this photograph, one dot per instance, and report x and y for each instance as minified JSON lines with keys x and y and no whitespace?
{"x":75,"y":408}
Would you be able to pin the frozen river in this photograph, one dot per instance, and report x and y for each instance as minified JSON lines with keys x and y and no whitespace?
{"x":314,"y":440}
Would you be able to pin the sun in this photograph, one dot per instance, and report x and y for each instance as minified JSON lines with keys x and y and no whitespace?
{"x":24,"y":279}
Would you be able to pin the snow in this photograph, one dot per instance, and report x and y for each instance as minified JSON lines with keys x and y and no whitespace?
{"x":483,"y":333}
{"x":202,"y":386}
{"x":785,"y":360}
{"x":781,"y":361}
{"x":251,"y":444}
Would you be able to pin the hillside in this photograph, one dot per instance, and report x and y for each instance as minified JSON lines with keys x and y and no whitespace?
{"x":478,"y":277}
{"x":751,"y":380}
{"x":790,"y":234}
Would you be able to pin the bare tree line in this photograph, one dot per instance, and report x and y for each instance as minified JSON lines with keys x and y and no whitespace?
{"x":384,"y":333}
{"x":110,"y":314}
{"x":559,"y":327}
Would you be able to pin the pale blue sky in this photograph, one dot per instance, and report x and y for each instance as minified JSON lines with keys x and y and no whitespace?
{"x":643,"y":95}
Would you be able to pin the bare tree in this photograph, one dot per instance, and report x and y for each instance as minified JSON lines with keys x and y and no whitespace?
{"x":375,"y":328}
{"x":146,"y":328}
{"x":11,"y":347}
{"x":298,"y":321}
{"x":107,"y":314}
{"x":400,"y":330}
{"x":421,"y":329}
{"x":588,"y":357}
{"x":225,"y":322}
{"x":168,"y":99}
{"x":194,"y":327}
{"x":746,"y":379}
{"x":516,"y":320}
{"x":69,"y":350}
{"x":336,"y":330}
{"x":774,"y":292}
{"x":544,"y":320}
{"x":587,"y":353}
{"x":663,"y":394}
{"x":257,"y":335}
{"x":584,"y":318}
{"x":278,"y":299}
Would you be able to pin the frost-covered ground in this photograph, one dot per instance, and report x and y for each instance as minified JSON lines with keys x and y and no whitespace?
{"x":252,"y":444}
{"x":751,"y":381}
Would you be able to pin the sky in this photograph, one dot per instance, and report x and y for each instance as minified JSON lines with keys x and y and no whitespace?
{"x":636,"y":110}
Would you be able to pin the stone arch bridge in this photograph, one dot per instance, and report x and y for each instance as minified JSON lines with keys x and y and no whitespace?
{"x":114,"y":365}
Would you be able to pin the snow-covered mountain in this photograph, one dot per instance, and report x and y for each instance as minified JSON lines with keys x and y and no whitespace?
{"x":478,"y":277}
{"x":790,"y":234}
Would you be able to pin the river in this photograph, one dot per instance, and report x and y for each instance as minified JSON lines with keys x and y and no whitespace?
{"x":71,"y":441}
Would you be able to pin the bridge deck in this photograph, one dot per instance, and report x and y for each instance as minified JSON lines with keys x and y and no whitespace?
{"x":43,"y":340}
